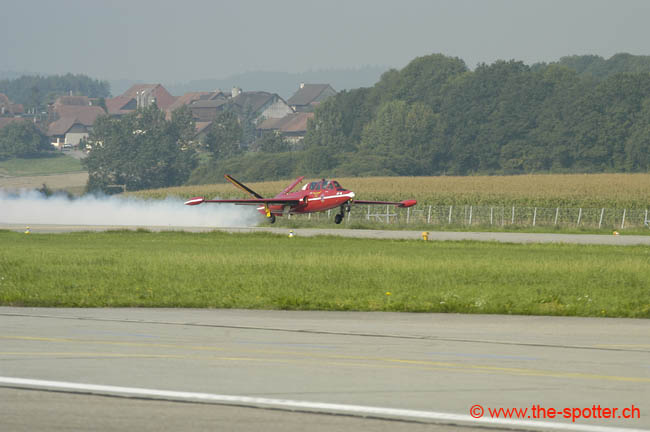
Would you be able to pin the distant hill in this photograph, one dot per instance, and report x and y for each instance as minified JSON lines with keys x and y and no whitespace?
{"x":600,"y":68}
{"x":283,"y":83}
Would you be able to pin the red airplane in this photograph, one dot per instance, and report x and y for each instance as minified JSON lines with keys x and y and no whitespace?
{"x":316,"y":196}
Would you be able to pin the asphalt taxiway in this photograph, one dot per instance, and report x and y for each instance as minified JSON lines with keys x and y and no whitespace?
{"x":501,"y":237}
{"x":170,"y":369}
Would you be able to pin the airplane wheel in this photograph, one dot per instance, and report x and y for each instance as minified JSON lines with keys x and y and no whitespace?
{"x":338,"y":218}
{"x":272,"y":219}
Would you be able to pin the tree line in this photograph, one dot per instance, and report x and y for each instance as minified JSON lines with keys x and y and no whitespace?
{"x":35,"y":91}
{"x":438,"y":117}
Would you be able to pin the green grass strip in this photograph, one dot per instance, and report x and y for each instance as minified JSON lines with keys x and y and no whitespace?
{"x":54,"y":164}
{"x":265,"y":271}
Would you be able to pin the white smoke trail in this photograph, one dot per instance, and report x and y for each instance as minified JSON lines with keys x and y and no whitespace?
{"x":31,"y":207}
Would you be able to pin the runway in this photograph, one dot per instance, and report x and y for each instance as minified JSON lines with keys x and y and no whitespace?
{"x":501,"y":237}
{"x":170,"y":369}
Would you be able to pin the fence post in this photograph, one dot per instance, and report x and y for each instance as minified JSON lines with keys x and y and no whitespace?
{"x":450,"y":207}
{"x":600,"y":222}
{"x":408,"y":215}
{"x":512,"y":222}
{"x":387,"y":215}
{"x":534,"y":216}
{"x":579,"y":217}
{"x":557,"y":212}
{"x":429,"y":217}
{"x":645,"y":219}
{"x":368,"y":215}
{"x":623,"y":222}
{"x":470,"y":215}
{"x":491,"y":211}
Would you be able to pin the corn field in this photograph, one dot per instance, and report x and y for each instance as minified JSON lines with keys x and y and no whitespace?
{"x":549,"y":191}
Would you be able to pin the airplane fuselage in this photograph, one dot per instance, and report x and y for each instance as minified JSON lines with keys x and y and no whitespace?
{"x":316,"y":196}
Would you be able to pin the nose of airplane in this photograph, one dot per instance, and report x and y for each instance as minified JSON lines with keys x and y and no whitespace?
{"x":351,"y":194}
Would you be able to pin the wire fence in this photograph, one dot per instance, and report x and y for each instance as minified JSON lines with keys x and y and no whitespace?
{"x":468,"y":215}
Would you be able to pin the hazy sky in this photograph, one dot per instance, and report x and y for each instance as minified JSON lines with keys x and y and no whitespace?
{"x":182,"y":40}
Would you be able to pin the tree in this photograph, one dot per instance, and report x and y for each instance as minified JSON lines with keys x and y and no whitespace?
{"x":141,"y":150}
{"x":183,"y":124}
{"x":272,"y":142}
{"x":23,"y":139}
{"x":403,"y":134}
{"x":325,"y":130}
{"x":225,"y":136}
{"x":637,"y":146}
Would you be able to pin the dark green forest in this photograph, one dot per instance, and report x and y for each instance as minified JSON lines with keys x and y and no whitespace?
{"x":600,"y":68}
{"x":35,"y":92}
{"x":437,"y":117}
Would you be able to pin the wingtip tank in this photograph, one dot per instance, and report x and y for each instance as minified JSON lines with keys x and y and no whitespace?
{"x":407,"y":203}
{"x":195,"y":201}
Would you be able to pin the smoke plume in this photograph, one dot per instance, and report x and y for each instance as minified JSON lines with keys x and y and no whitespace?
{"x":31,"y":207}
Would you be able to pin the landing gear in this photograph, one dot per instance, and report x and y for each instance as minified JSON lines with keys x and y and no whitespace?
{"x":271,"y":218}
{"x":339,"y":216}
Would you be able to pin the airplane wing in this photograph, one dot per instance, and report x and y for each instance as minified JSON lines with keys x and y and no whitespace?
{"x":251,"y":201}
{"x":405,"y":203}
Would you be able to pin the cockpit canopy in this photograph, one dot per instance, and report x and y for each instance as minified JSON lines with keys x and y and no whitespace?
{"x":323,"y":185}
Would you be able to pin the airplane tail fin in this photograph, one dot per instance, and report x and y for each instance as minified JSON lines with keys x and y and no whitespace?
{"x":243,"y":187}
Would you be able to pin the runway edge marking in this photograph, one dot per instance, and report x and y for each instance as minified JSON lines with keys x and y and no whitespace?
{"x":358,"y":410}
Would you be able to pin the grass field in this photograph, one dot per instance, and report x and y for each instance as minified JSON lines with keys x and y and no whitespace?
{"x":220,"y":270}
{"x":544,"y":190}
{"x":302,"y":221}
{"x":58,"y":163}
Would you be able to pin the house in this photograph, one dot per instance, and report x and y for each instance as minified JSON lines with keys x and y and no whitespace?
{"x":256,"y":106}
{"x":7,"y":108}
{"x":259,"y":106}
{"x":140,"y":96}
{"x":186,"y":99}
{"x":310,"y":95}
{"x":206,"y":107}
{"x":71,"y":101}
{"x":74,"y":122}
{"x":293,"y":127}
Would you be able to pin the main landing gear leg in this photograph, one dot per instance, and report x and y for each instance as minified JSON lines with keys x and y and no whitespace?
{"x":339,"y":216}
{"x":271,"y":218}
